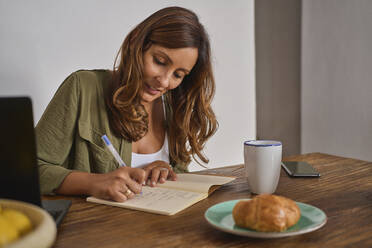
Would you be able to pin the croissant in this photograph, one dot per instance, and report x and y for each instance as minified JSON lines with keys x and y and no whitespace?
{"x":266,"y":213}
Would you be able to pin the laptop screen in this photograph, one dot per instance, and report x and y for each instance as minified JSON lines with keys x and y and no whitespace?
{"x":19,"y":179}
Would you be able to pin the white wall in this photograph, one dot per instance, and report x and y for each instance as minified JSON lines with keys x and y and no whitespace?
{"x":43,"y":41}
{"x":337,"y":77}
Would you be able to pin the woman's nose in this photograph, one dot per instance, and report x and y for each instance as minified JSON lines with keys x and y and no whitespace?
{"x":164,"y":80}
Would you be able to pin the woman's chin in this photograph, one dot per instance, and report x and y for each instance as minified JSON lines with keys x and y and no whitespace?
{"x":147,"y":98}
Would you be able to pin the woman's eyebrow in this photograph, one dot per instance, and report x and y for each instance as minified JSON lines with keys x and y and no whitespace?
{"x":170,"y":61}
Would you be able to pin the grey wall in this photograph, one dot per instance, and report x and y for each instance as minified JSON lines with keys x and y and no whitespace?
{"x":337,"y":78}
{"x":43,"y":41}
{"x":278,"y":64}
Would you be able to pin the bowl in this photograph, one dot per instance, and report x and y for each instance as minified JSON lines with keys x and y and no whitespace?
{"x":44,"y":230}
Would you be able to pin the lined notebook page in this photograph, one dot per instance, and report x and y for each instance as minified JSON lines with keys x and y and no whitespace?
{"x":157,"y":200}
{"x":172,"y":196}
{"x":195,"y":183}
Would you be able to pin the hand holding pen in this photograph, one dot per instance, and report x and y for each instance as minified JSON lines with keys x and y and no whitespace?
{"x":120,"y":184}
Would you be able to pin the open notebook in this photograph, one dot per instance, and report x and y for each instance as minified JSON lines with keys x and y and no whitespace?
{"x":172,"y":196}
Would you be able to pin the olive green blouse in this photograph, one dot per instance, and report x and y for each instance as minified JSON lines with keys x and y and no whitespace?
{"x":68,"y":135}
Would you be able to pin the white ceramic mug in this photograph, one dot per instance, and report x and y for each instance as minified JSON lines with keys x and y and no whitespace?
{"x":262,"y":160}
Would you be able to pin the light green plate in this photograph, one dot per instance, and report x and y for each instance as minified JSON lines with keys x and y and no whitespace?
{"x":220,"y":217}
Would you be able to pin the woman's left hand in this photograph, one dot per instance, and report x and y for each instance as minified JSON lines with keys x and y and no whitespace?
{"x":159,"y":172}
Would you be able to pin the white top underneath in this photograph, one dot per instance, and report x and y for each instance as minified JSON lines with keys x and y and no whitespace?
{"x":141,"y":160}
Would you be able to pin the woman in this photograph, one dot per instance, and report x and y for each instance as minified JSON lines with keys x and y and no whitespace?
{"x":155,"y":107}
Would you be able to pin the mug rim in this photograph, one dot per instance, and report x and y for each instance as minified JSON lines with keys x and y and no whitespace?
{"x":262,"y":143}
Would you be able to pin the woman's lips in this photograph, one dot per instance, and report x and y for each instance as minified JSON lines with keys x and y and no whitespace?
{"x":151,"y":90}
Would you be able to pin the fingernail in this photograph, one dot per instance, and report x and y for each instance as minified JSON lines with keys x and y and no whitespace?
{"x":162,"y":180}
{"x":153,"y":183}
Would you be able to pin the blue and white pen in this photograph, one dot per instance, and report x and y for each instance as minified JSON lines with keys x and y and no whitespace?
{"x":112,"y":150}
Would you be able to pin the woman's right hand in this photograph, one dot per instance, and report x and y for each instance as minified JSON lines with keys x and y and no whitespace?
{"x":118,"y":185}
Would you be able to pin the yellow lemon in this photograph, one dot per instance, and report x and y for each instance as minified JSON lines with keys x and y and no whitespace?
{"x":8,"y":232}
{"x":18,"y":219}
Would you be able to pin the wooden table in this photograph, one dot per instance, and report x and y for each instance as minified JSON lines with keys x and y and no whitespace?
{"x":343,"y":192}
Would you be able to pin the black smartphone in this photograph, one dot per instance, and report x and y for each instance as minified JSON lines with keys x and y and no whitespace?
{"x":299,"y":169}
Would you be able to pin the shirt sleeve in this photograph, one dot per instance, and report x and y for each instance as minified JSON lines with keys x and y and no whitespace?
{"x":55,"y":133}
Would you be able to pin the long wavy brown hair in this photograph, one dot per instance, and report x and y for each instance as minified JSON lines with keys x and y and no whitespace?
{"x":192,"y":121}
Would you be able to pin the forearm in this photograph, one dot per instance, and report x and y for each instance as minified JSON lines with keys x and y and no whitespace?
{"x":77,"y":183}
{"x":114,"y":185}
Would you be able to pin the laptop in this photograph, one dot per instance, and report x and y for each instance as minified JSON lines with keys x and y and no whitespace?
{"x":19,"y":176}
